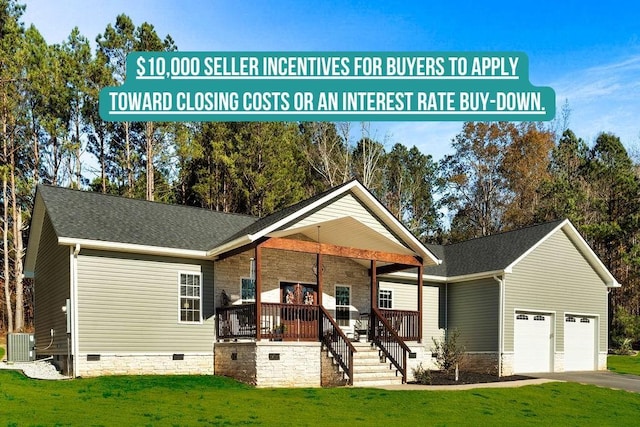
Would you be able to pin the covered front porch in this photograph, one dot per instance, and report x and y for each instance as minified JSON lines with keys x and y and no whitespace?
{"x":309,"y":277}
{"x":323,"y":310}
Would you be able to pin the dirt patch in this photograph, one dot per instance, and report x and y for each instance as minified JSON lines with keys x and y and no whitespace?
{"x":442,"y":378}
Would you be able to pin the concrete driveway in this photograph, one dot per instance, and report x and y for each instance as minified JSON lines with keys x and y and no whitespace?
{"x":601,"y":378}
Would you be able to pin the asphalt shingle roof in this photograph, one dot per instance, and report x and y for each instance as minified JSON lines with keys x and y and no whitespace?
{"x":95,"y":216}
{"x":491,"y":253}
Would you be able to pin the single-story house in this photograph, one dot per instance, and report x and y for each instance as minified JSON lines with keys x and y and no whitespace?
{"x":332,"y":290}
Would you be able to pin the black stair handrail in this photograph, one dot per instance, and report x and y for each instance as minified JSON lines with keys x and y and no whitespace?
{"x":389,"y":342}
{"x":337,"y":343}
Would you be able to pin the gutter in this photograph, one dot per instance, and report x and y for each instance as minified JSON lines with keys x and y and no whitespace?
{"x":500,"y":321}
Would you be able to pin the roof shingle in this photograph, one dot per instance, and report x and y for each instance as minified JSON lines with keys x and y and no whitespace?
{"x":95,"y":216}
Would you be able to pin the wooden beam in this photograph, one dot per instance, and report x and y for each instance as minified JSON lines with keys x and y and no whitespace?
{"x":240,"y":249}
{"x":392,"y":268}
{"x":340,"y":251}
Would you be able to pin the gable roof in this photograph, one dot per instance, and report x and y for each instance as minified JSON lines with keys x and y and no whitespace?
{"x":108,"y":222}
{"x":296,"y":212}
{"x":118,"y":223}
{"x":490,"y":253}
{"x":499,"y":253}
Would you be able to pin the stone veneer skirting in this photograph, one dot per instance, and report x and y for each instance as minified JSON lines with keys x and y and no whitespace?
{"x":144,"y":364}
{"x":270,"y":364}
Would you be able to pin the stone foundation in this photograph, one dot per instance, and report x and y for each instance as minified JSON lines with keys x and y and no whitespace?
{"x":92,"y":365}
{"x":331,"y":373}
{"x":270,"y":364}
{"x":484,"y":363}
{"x":602,"y":361}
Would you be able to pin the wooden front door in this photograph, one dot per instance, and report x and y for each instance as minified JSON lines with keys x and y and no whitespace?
{"x":300,"y":314}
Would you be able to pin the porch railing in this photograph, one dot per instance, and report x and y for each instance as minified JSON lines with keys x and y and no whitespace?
{"x":236,"y":321}
{"x":405,"y":323}
{"x":337,"y":343}
{"x":387,"y":339}
{"x":278,"y":322}
{"x":289,"y":322}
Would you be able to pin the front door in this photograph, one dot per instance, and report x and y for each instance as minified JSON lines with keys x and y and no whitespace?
{"x":300,"y":315}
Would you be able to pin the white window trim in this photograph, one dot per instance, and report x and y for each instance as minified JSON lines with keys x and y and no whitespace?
{"x":192,"y":322}
{"x":386,"y":290}
{"x":247,"y":301}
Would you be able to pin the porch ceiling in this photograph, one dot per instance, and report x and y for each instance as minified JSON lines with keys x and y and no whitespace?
{"x":348,"y":232}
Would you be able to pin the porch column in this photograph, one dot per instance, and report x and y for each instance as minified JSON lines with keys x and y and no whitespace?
{"x":420,"y":303}
{"x":258,"y":257}
{"x":374,"y":286}
{"x":374,"y":296}
{"x":319,"y":276}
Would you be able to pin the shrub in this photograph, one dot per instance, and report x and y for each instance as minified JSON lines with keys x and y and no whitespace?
{"x":421,"y":375}
{"x":448,"y":352}
{"x":625,"y":329}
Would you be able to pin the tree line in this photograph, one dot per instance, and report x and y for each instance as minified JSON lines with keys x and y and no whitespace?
{"x":501,"y":175}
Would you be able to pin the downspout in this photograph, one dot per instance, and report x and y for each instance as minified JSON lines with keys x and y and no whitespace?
{"x":74,"y":309}
{"x":500,"y":322}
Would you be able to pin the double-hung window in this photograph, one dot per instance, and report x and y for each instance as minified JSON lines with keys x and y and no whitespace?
{"x":343,"y":305}
{"x":248,"y":290}
{"x":385,"y":298}
{"x":190,"y":301}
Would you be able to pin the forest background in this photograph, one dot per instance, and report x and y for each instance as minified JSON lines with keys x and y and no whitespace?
{"x":500,"y":176}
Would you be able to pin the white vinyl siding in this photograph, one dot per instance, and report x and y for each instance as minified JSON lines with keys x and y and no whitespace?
{"x":127,"y":304}
{"x":349,"y":206}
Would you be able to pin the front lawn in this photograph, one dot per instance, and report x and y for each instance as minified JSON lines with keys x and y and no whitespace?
{"x":204,"y":400}
{"x":624,"y":364}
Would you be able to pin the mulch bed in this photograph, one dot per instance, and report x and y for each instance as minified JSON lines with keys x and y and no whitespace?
{"x":441,"y":378}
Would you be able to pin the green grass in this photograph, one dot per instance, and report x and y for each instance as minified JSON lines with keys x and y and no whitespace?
{"x":1,"y":352}
{"x":204,"y":400}
{"x":624,"y":364}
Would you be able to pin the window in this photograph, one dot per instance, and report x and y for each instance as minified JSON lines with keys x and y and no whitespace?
{"x":385,"y":298}
{"x":190,"y":297}
{"x":343,"y":303}
{"x":538,"y":318}
{"x":522,"y":317}
{"x":248,"y":290}
{"x":570,"y":319}
{"x":584,"y":320}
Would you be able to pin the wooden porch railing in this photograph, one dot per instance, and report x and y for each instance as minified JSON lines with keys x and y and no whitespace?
{"x":289,"y":322}
{"x":281,"y":322}
{"x":337,"y":343}
{"x":387,"y":339}
{"x":404,"y":322}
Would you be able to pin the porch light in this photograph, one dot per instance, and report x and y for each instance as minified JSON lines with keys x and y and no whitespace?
{"x":315,"y":268}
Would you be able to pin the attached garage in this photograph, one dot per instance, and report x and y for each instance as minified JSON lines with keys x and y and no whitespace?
{"x":579,"y":343}
{"x":532,"y":342}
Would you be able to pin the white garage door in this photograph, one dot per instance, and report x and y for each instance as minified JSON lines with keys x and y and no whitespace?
{"x":532,"y":343}
{"x":579,"y":343}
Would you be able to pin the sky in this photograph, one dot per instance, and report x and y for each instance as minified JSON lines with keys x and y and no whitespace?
{"x":588,"y":52}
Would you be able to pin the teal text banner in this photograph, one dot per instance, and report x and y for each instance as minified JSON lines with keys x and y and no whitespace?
{"x":327,"y":86}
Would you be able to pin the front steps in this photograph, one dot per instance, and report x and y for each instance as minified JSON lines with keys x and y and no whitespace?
{"x":370,"y":369}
